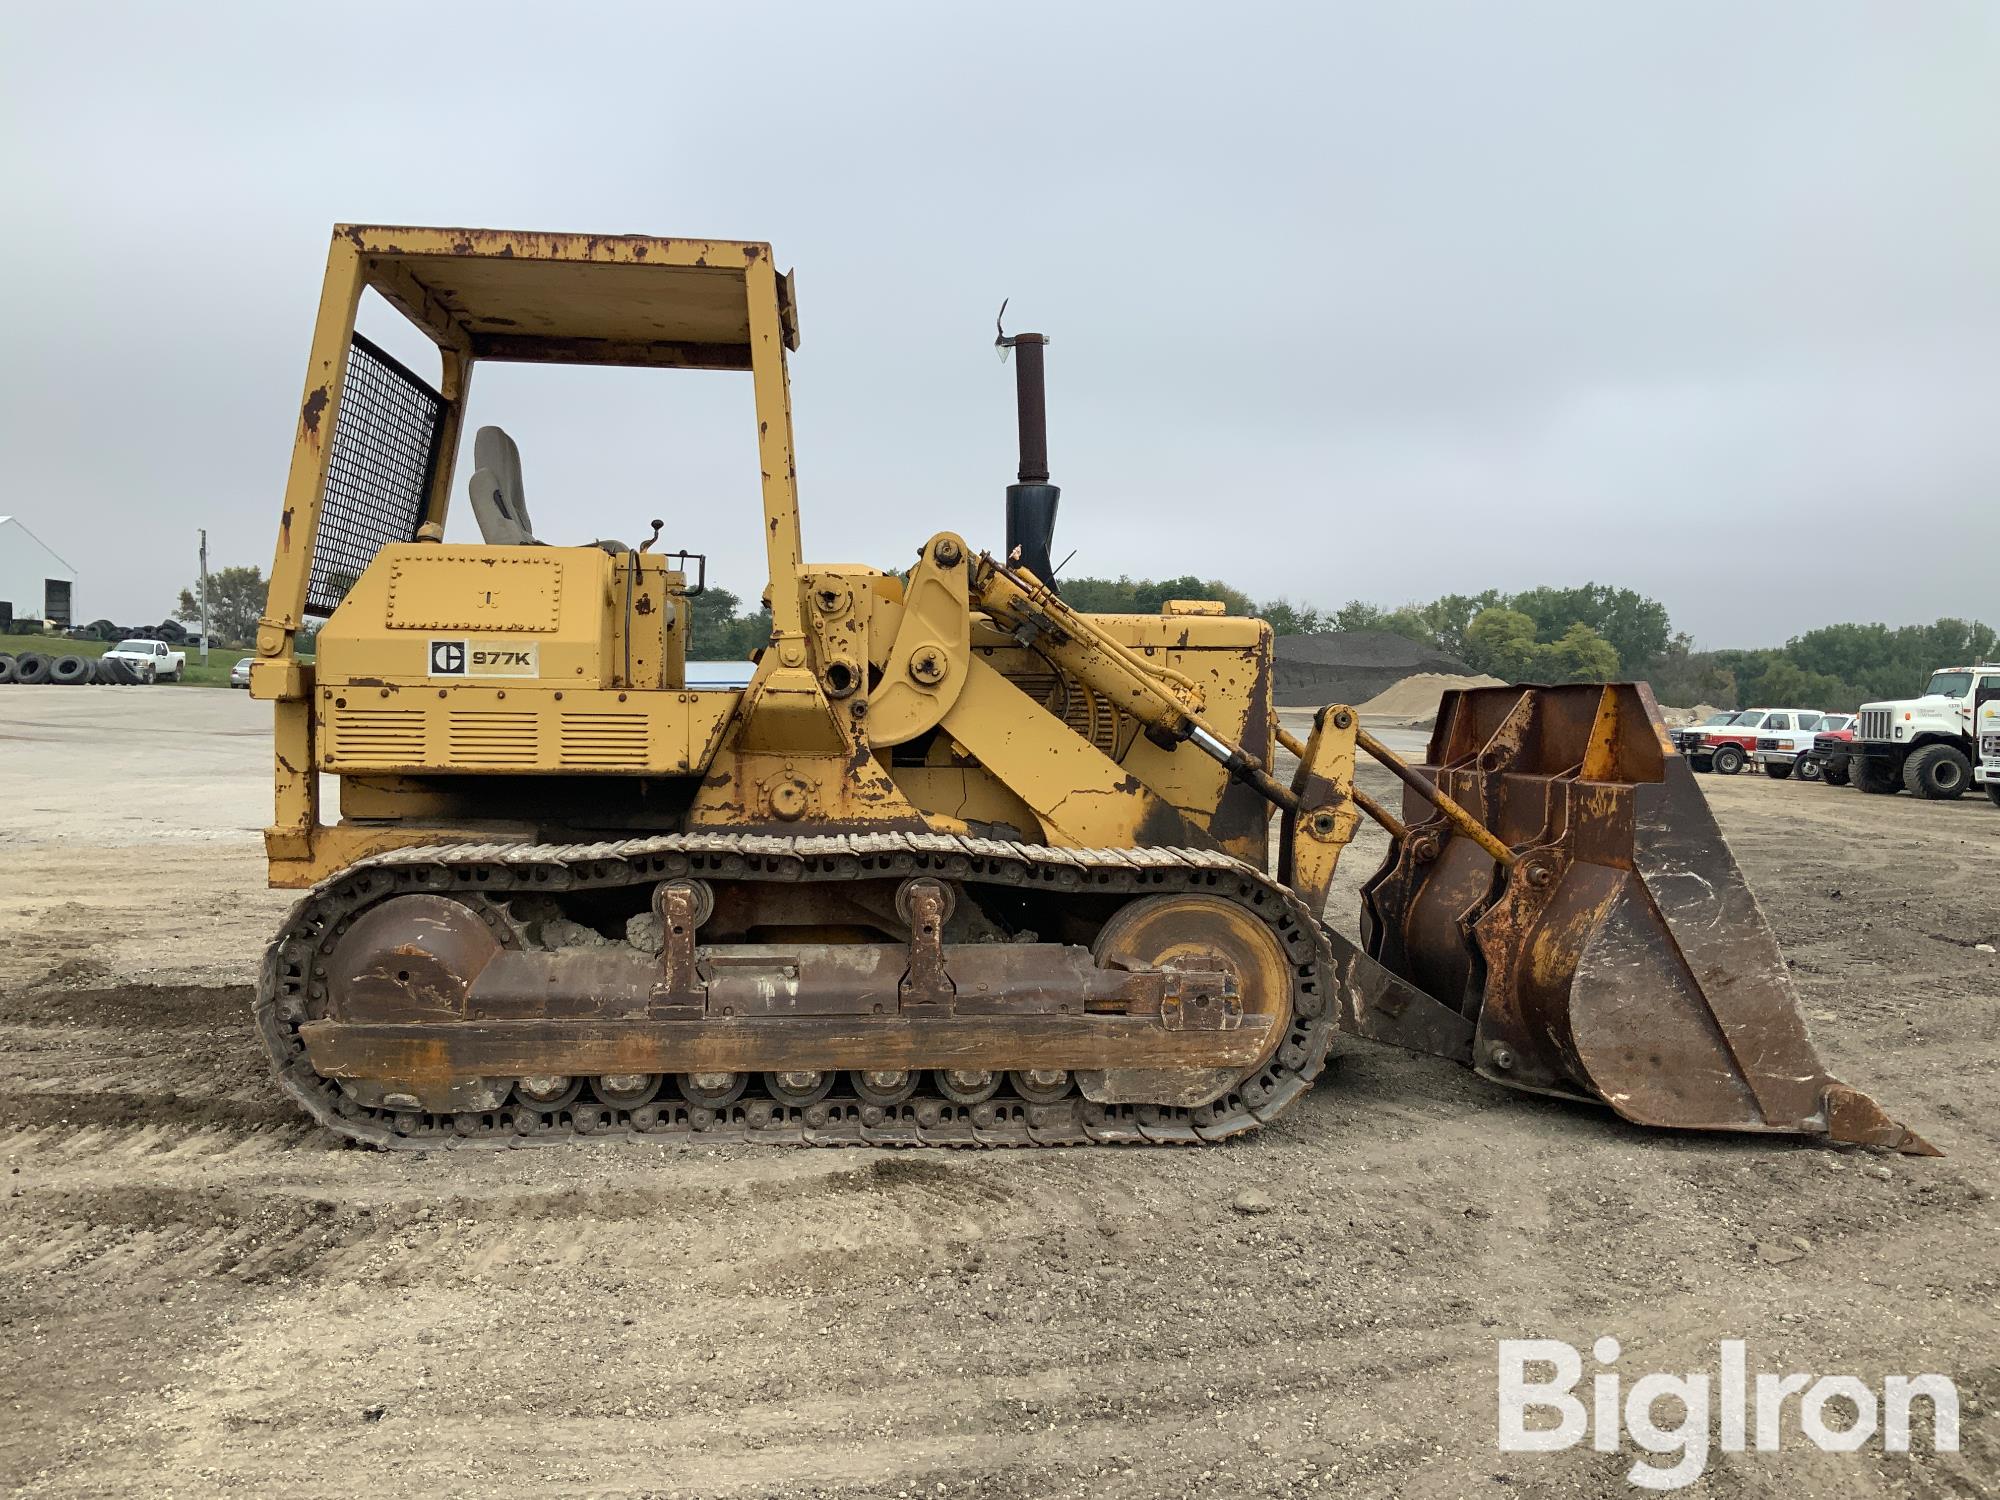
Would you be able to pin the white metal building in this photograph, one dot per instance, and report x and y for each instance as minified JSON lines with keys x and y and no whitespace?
{"x":33,"y":580}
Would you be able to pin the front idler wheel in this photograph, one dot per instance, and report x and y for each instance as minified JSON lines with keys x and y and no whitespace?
{"x":1194,"y":935}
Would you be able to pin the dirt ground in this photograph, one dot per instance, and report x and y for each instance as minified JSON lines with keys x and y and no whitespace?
{"x":200,"y":1295}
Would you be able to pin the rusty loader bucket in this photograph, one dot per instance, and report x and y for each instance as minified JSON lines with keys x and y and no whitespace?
{"x":1619,"y":956}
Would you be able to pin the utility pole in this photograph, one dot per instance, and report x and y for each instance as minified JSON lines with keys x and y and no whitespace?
{"x":204,"y":596}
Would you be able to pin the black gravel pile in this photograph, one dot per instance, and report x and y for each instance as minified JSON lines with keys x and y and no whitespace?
{"x":1351,"y":666}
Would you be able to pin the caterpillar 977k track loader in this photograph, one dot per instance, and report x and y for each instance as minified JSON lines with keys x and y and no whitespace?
{"x":959,"y":865}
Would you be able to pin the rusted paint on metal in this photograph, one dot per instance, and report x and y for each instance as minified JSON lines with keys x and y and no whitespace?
{"x":1858,"y":1120}
{"x":1622,"y":957}
{"x":1242,"y":819}
{"x":924,"y":904}
{"x":680,"y":906}
{"x":1222,"y":954}
{"x":1378,"y":1005}
{"x":1322,"y":822}
{"x":429,"y":1055}
{"x":665,"y":354}
{"x":1462,"y":820}
{"x":412,"y":955}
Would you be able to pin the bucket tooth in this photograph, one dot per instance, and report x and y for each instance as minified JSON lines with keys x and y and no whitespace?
{"x":1622,"y":958}
{"x":1857,"y":1120}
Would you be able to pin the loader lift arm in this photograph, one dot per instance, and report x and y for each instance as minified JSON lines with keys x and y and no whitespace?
{"x":1034,"y":611}
{"x":1634,"y":1015}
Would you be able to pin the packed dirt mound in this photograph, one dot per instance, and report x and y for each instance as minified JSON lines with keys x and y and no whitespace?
{"x":1351,"y":666}
{"x":1418,"y":695}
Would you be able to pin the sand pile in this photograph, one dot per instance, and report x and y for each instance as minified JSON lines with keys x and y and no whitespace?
{"x":1678,"y":717}
{"x":1351,"y":666}
{"x":1419,"y":694}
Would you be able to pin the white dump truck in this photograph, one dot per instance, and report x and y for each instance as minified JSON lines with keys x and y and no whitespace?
{"x":1924,"y":744}
{"x":1987,"y":773}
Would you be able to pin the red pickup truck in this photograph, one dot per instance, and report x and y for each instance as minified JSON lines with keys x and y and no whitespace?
{"x":1727,"y":749}
{"x":1827,"y":760}
{"x":1779,"y":753}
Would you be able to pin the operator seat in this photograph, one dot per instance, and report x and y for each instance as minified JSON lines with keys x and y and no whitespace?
{"x":499,"y":503}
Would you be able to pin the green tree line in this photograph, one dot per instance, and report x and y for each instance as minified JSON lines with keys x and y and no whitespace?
{"x":1589,"y":633}
{"x":1545,"y":635}
{"x":1584,"y":634}
{"x":1595,"y":632}
{"x":721,"y":629}
{"x":1835,"y":667}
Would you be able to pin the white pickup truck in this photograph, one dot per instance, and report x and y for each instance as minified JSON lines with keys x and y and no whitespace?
{"x":1987,"y":773}
{"x":154,"y":661}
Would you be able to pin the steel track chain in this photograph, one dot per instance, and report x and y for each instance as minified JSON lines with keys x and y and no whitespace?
{"x":292,"y":981}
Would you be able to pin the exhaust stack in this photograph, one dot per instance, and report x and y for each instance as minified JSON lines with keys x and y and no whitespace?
{"x":1031,"y":503}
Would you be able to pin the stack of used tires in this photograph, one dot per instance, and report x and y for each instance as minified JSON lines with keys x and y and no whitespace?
{"x":35,"y":667}
{"x":114,"y":673}
{"x":171,"y":631}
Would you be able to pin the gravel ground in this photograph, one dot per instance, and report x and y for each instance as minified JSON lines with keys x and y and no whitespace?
{"x":200,"y":1295}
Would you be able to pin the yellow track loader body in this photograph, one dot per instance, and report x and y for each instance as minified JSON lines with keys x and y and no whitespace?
{"x":956,"y":864}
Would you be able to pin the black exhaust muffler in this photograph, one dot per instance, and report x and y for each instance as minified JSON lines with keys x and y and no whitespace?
{"x":1031,"y":504}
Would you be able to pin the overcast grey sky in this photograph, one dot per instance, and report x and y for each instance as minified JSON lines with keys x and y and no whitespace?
{"x":1371,"y":301}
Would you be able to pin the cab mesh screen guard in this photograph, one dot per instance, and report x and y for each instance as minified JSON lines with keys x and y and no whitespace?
{"x":385,"y":450}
